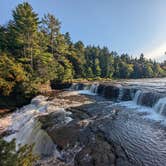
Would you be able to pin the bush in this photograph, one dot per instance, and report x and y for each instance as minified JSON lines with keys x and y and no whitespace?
{"x":10,"y":157}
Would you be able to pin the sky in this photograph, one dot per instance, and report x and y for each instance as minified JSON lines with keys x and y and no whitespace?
{"x":124,"y":26}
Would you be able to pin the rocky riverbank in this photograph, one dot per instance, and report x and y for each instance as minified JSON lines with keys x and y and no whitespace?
{"x":70,"y":129}
{"x":74,"y":131}
{"x":80,"y":142}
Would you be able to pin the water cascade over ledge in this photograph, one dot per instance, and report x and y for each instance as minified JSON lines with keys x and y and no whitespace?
{"x":117,"y":92}
{"x":27,"y":129}
{"x":160,"y":106}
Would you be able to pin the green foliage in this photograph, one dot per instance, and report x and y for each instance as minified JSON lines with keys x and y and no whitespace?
{"x":11,"y":74}
{"x":50,"y":28}
{"x":64,"y":70}
{"x":61,"y":47}
{"x":45,"y":67}
{"x":25,"y":26}
{"x":125,"y":70}
{"x":7,"y":153}
{"x":89,"y":73}
{"x":11,"y":157}
{"x":34,"y":52}
{"x":3,"y":39}
{"x":97,"y":69}
{"x":25,"y":157}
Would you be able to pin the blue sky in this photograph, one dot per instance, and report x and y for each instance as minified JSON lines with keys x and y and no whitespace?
{"x":125,"y":26}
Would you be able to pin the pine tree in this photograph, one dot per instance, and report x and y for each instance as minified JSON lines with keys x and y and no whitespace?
{"x":50,"y":26}
{"x":25,"y":27}
{"x":3,"y":39}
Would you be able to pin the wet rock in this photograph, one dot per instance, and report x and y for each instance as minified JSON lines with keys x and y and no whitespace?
{"x":97,"y":153}
{"x":148,"y":98}
{"x":56,"y":119}
{"x":126,"y":94}
{"x":100,"y":89}
{"x":51,"y":162}
{"x":39,"y":100}
{"x":81,"y":139}
{"x":109,"y":91}
{"x":65,"y":135}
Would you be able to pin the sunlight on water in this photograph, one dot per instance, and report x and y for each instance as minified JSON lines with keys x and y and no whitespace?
{"x":150,"y":113}
{"x":27,"y":128}
{"x":86,"y":92}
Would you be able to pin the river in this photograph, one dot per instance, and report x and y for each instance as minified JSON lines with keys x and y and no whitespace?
{"x":140,"y":127}
{"x":130,"y":114}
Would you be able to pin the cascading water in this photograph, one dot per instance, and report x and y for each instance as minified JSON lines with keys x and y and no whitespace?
{"x":94,"y":88}
{"x":27,"y":128}
{"x":143,"y":97}
{"x":86,"y":89}
{"x":132,"y":93}
{"x":74,"y":86}
{"x":160,"y":106}
{"x":137,"y":96}
{"x":121,"y":93}
{"x":147,"y":98}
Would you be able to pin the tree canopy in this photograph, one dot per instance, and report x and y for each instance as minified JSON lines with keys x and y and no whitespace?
{"x":34,"y":51}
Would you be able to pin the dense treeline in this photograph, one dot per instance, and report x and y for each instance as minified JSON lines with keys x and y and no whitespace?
{"x":34,"y":52}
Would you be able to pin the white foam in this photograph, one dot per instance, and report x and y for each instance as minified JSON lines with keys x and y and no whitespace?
{"x":160,"y":106}
{"x":94,"y":88}
{"x":137,"y":96}
{"x":86,"y":92}
{"x":150,"y":112}
{"x":27,"y":129}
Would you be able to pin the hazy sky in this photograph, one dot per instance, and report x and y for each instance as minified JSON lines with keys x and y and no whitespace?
{"x":125,"y":26}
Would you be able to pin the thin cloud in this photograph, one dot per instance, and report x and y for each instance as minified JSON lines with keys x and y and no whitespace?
{"x":157,"y":53}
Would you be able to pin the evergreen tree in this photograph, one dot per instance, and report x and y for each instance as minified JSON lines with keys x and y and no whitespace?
{"x":50,"y":26}
{"x":97,"y":70}
{"x":3,"y":39}
{"x":34,"y":52}
{"x":25,"y":27}
{"x":11,"y":74}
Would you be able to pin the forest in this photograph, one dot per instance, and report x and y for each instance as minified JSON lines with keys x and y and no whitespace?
{"x":33,"y":52}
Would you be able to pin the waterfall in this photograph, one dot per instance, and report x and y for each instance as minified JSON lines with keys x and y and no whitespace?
{"x":94,"y":88}
{"x":143,"y":97}
{"x":86,"y":89}
{"x":79,"y":86}
{"x":147,"y":98}
{"x":27,"y":127}
{"x":133,"y":92}
{"x":74,"y":86}
{"x":137,"y":96}
{"x":160,"y":106}
{"x":31,"y":133}
{"x":121,"y":93}
{"x":152,"y":99}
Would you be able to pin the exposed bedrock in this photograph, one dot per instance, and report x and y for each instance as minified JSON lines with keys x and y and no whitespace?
{"x":80,"y":141}
{"x":96,"y":152}
{"x":118,"y":92}
{"x":109,"y":91}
